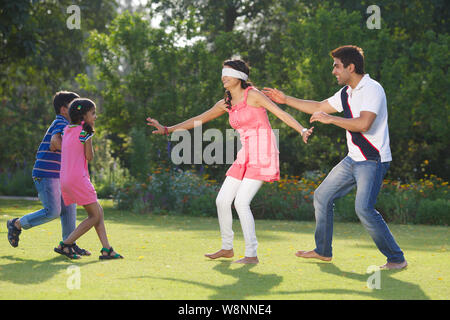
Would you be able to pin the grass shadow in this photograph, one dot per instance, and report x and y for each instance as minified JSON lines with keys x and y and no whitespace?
{"x":389,"y":286}
{"x":248,"y":283}
{"x":29,"y":271}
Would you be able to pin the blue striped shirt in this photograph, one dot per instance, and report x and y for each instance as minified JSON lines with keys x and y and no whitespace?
{"x":48,"y":163}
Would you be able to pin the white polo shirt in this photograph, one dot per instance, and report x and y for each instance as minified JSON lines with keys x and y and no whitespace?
{"x":368,"y":95}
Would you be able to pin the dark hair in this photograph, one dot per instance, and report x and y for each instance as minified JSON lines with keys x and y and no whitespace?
{"x":238,"y":65}
{"x":63,"y":99}
{"x":350,"y":54}
{"x":78,"y":108}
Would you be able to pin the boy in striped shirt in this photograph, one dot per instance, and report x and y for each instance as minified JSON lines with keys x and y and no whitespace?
{"x":46,"y":179}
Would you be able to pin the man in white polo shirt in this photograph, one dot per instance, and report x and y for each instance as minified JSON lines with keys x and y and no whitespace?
{"x":363,"y":103}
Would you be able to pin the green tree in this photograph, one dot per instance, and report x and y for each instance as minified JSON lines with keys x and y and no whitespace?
{"x":39,"y":56}
{"x":212,"y":16}
{"x":140,"y":72}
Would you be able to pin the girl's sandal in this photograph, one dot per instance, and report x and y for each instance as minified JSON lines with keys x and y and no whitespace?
{"x":109,"y":255}
{"x":80,"y":251}
{"x":71,"y":254}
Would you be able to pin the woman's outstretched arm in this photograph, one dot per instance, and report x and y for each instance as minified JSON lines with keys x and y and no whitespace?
{"x":216,"y":111}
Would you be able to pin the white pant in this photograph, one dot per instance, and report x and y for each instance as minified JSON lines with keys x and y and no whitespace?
{"x":242,"y":192}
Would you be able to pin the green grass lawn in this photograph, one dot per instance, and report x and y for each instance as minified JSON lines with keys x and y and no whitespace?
{"x":164,"y":260}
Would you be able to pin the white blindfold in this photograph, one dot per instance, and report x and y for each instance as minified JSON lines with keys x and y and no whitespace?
{"x":230,"y":72}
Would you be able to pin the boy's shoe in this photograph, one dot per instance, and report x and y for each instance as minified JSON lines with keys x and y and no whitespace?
{"x":13,"y":232}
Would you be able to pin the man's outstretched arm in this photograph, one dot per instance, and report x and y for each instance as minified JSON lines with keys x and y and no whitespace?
{"x":359,"y":124}
{"x":306,"y":106}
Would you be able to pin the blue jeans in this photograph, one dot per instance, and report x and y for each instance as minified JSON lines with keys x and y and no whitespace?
{"x":49,"y":192}
{"x":368,"y":178}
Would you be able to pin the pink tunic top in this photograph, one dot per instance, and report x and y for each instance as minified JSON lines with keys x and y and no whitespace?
{"x":76,"y":186}
{"x":258,"y":158}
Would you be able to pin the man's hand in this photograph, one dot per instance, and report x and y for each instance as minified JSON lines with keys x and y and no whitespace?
{"x":275,"y":95}
{"x":321,"y":117}
{"x":358,"y":124}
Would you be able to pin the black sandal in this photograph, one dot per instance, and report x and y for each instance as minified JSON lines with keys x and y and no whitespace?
{"x":109,"y":256}
{"x":13,"y":232}
{"x":71,"y":254}
{"x":80,"y":251}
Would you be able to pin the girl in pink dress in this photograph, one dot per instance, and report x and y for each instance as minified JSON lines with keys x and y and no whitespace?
{"x":257,"y":161}
{"x":76,"y":186}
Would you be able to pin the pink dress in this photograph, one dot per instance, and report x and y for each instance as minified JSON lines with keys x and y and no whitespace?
{"x":76,"y":186}
{"x":259,"y":156}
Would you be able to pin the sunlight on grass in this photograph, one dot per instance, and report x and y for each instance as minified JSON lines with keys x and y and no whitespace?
{"x":164,"y":260}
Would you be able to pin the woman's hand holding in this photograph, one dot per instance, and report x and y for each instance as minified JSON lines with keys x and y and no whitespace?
{"x":154,"y":123}
{"x":306,"y":134}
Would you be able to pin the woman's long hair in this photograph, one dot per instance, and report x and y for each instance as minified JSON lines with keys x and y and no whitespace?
{"x":238,"y":65}
{"x":78,"y":108}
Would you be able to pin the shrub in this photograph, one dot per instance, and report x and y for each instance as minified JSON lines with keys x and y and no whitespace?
{"x":17,"y":183}
{"x":434,"y":212}
{"x":170,"y":190}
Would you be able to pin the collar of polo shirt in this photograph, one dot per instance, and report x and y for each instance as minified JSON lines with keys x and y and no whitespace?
{"x":360,"y":84}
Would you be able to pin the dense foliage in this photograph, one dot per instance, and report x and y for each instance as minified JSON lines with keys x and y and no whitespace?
{"x":291,"y":198}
